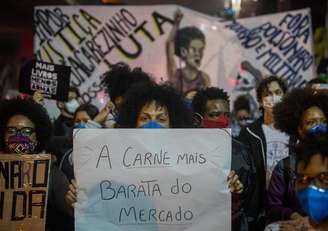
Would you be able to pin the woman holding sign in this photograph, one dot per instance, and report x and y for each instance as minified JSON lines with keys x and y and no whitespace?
{"x":25,"y":128}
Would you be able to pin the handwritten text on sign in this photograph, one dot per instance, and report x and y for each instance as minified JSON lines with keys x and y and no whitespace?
{"x":23,"y":191}
{"x":152,"y":179}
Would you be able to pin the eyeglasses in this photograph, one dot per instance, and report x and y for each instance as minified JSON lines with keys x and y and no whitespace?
{"x":26,"y":131}
{"x":320,"y":180}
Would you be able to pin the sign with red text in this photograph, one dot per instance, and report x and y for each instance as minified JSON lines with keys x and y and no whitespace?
{"x":23,"y":191}
{"x":234,"y":55}
{"x":152,"y":179}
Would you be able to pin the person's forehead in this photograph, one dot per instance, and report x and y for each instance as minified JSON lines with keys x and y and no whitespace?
{"x":316,"y":165}
{"x":72,"y":94}
{"x":217,"y":104}
{"x":273,"y":86}
{"x":20,"y":121}
{"x":243,"y":112}
{"x":197,"y":43}
{"x":81,"y":115}
{"x":313,"y":112}
{"x":153,"y":108}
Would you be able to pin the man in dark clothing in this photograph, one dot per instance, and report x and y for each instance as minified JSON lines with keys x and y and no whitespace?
{"x":263,"y":140}
{"x":211,"y":106}
{"x":63,"y":124}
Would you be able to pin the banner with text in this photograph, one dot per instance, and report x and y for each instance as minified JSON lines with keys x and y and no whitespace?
{"x":234,"y":55}
{"x":163,"y":179}
{"x":23,"y":191}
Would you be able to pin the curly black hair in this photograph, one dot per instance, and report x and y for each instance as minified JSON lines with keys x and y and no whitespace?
{"x":121,"y":77}
{"x":203,"y":95}
{"x":316,"y":81}
{"x":141,"y":94}
{"x":241,"y":103}
{"x":184,"y":37}
{"x":89,"y":108}
{"x":310,"y":146}
{"x":288,"y":113}
{"x":34,"y":111}
{"x":263,"y":86}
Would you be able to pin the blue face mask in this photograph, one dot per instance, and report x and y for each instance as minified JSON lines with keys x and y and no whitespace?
{"x":318,"y":129}
{"x":314,"y":202}
{"x":80,"y":125}
{"x":152,"y":124}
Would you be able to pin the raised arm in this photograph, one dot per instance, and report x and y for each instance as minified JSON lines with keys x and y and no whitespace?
{"x":170,"y":45}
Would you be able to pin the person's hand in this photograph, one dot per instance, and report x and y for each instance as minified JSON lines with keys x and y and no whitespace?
{"x":300,"y":224}
{"x":235,"y":185}
{"x":71,"y":195}
{"x":178,"y":15}
{"x":102,"y":115}
{"x":38,"y":97}
{"x":295,"y":216}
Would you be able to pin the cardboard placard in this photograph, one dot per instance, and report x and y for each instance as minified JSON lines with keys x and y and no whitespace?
{"x":24,"y":183}
{"x":52,"y":80}
{"x":152,"y":179}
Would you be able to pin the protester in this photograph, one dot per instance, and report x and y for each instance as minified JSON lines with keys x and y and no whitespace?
{"x":211,"y":105}
{"x":302,"y":112}
{"x":188,"y":44}
{"x":148,"y":105}
{"x":241,"y":116}
{"x":83,"y":118}
{"x":67,"y":109}
{"x":119,"y":80}
{"x":154,"y":106}
{"x":25,"y":128}
{"x":262,"y":139}
{"x":84,"y":115}
{"x":311,"y":186}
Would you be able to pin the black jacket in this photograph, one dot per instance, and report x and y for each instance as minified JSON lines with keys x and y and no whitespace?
{"x":244,"y":167}
{"x":253,"y":137}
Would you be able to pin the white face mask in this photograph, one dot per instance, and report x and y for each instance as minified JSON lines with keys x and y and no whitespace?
{"x":72,"y":105}
{"x":270,"y":101}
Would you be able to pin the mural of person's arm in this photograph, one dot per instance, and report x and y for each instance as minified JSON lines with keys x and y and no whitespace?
{"x":251,"y":69}
{"x":170,"y":45}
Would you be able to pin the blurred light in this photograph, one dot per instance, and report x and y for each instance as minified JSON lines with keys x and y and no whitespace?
{"x":214,"y":27}
{"x":236,"y":5}
{"x":202,"y":26}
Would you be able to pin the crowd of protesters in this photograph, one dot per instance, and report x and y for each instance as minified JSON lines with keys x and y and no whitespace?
{"x":279,"y":160}
{"x":293,"y":195}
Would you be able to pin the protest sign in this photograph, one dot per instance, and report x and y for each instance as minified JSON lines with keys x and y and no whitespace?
{"x":23,"y":191}
{"x":52,"y":80}
{"x":156,"y":179}
{"x":234,"y":55}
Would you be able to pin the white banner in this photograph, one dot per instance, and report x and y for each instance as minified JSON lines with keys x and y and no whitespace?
{"x":234,"y":55}
{"x":158,"y":179}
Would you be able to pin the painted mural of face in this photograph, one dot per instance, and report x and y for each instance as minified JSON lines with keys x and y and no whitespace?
{"x":245,"y":81}
{"x":194,"y":54}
